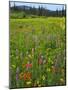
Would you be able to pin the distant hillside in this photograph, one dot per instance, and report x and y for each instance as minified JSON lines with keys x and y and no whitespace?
{"x":24,"y":11}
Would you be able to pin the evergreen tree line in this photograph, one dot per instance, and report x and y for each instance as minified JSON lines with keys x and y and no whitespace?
{"x":40,"y":11}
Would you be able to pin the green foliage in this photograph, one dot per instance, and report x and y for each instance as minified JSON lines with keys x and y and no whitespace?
{"x":17,"y":14}
{"x":39,"y":44}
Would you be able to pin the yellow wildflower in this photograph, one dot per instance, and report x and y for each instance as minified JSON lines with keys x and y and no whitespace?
{"x":29,"y":56}
{"x":13,"y":66}
{"x":28,"y":83}
{"x":48,"y":69}
{"x":43,"y":77}
{"x":39,"y":85}
{"x":21,"y":76}
{"x":61,"y":80}
{"x":37,"y":81}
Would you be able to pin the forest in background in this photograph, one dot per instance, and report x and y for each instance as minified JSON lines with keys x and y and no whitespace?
{"x":24,"y":11}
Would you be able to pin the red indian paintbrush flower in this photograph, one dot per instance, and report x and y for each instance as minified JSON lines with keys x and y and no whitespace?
{"x":28,"y":65}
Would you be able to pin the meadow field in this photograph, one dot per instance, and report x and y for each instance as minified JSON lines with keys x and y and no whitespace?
{"x":37,"y":52}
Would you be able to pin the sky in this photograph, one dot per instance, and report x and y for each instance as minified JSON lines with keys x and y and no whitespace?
{"x":48,"y":6}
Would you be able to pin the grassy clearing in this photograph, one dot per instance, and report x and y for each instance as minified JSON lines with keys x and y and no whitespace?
{"x":37,"y":52}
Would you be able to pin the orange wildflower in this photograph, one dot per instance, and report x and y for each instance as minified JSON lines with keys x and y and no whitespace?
{"x":27,"y":76}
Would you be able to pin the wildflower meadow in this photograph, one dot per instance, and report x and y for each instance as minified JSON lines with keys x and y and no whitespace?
{"x":37,"y":52}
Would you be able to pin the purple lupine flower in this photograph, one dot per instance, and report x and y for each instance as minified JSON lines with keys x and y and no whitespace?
{"x":17,"y":73}
{"x":17,"y":76}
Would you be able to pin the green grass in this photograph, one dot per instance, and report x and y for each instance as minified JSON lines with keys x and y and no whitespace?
{"x":34,"y":39}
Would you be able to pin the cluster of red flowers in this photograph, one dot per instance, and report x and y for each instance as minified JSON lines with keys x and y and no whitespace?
{"x":26,"y":75}
{"x":28,"y":65}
